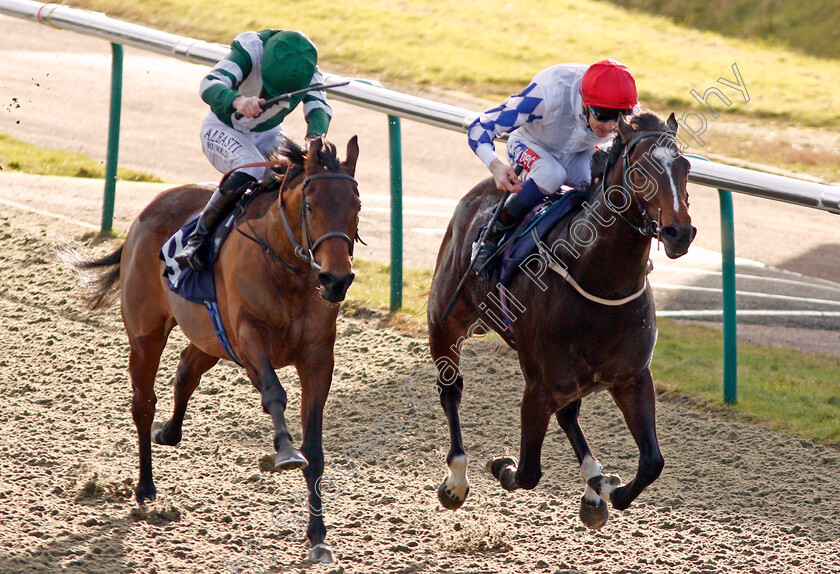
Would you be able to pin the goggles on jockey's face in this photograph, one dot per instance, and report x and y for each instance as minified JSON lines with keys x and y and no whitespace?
{"x":605,"y":115}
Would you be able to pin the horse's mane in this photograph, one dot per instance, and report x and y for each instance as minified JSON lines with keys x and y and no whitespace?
{"x":642,"y":122}
{"x":294,"y":159}
{"x":647,"y":122}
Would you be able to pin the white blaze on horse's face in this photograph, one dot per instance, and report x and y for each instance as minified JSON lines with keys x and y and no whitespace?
{"x":665,"y":157}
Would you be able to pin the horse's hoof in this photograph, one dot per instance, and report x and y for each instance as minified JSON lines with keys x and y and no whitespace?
{"x":145,"y":492}
{"x":503,"y":469}
{"x":290,"y":459}
{"x":594,"y":516}
{"x":156,"y":432}
{"x":159,"y":433}
{"x":321,"y":553}
{"x":497,"y":464}
{"x":604,"y":485}
{"x":449,"y":499}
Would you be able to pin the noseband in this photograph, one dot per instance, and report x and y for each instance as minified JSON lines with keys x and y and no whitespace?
{"x":306,"y":252}
{"x":649,"y":227}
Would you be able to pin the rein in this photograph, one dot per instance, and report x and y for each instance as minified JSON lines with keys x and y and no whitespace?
{"x":557,"y":268}
{"x":649,"y":227}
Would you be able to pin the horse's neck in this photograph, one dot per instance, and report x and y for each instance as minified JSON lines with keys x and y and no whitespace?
{"x":602,"y":252}
{"x":270,"y":226}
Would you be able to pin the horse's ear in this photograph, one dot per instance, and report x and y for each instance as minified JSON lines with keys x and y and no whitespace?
{"x":672,"y":123}
{"x":624,"y":129}
{"x":352,"y":155}
{"x":313,"y":155}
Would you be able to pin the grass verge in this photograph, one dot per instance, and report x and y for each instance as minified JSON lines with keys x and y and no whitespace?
{"x":784,"y":388}
{"x":16,"y":155}
{"x":372,"y":289}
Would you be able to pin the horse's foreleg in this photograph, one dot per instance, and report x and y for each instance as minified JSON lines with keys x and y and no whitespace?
{"x":594,"y":512}
{"x":637,"y":402}
{"x":450,"y":384}
{"x":315,"y":379}
{"x":253,"y":349}
{"x":534,"y":417}
{"x":194,"y":363}
{"x":143,"y":363}
{"x":274,"y":402}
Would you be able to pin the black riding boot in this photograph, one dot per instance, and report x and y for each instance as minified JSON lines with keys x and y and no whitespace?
{"x":512,"y":213}
{"x":220,"y":202}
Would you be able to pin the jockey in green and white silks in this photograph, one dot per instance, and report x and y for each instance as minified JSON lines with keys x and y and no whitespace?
{"x":260,"y":66}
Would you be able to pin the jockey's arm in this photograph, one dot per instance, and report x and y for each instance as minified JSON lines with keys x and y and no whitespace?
{"x":518,"y":110}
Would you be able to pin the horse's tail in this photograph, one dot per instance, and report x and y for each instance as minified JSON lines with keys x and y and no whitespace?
{"x":100,"y":277}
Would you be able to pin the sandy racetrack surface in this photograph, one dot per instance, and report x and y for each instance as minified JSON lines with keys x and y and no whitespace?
{"x":732,"y":497}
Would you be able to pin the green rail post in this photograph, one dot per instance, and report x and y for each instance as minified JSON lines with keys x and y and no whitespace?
{"x":730,"y":313}
{"x":113,"y":138}
{"x":730,"y":321}
{"x":396,"y":212}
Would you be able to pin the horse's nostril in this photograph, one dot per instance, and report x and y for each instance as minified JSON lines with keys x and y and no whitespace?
{"x":331,"y":282}
{"x":676,"y":233}
{"x":669,"y":233}
{"x":328,"y":280}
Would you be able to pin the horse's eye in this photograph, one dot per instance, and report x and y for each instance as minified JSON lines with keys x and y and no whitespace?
{"x":308,"y":208}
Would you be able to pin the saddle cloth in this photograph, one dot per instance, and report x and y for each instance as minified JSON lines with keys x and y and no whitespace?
{"x":195,"y":286}
{"x":191,"y":285}
{"x":516,"y":247}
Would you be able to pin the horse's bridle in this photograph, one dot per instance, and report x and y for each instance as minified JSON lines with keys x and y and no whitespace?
{"x":649,"y":227}
{"x":306,"y":252}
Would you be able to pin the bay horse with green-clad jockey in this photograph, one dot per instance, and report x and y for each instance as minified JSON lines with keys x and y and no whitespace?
{"x":279,"y":279}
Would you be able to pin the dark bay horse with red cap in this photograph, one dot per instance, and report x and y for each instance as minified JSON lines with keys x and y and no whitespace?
{"x":279,"y":281}
{"x":580,"y":314}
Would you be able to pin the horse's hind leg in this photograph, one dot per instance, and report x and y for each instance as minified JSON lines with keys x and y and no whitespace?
{"x":637,"y":402}
{"x":444,"y":339}
{"x":194,"y":363}
{"x":594,"y":512}
{"x":143,"y":363}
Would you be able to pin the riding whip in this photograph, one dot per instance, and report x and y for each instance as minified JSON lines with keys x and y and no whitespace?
{"x":481,"y":241}
{"x":268,"y":103}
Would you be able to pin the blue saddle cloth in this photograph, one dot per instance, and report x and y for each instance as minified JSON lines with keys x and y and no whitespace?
{"x":541,"y":219}
{"x":196,"y":286}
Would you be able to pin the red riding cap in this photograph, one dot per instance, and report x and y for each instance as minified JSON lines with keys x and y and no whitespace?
{"x":608,"y":84}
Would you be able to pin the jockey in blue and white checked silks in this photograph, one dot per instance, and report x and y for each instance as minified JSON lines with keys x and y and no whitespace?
{"x":555,"y":125}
